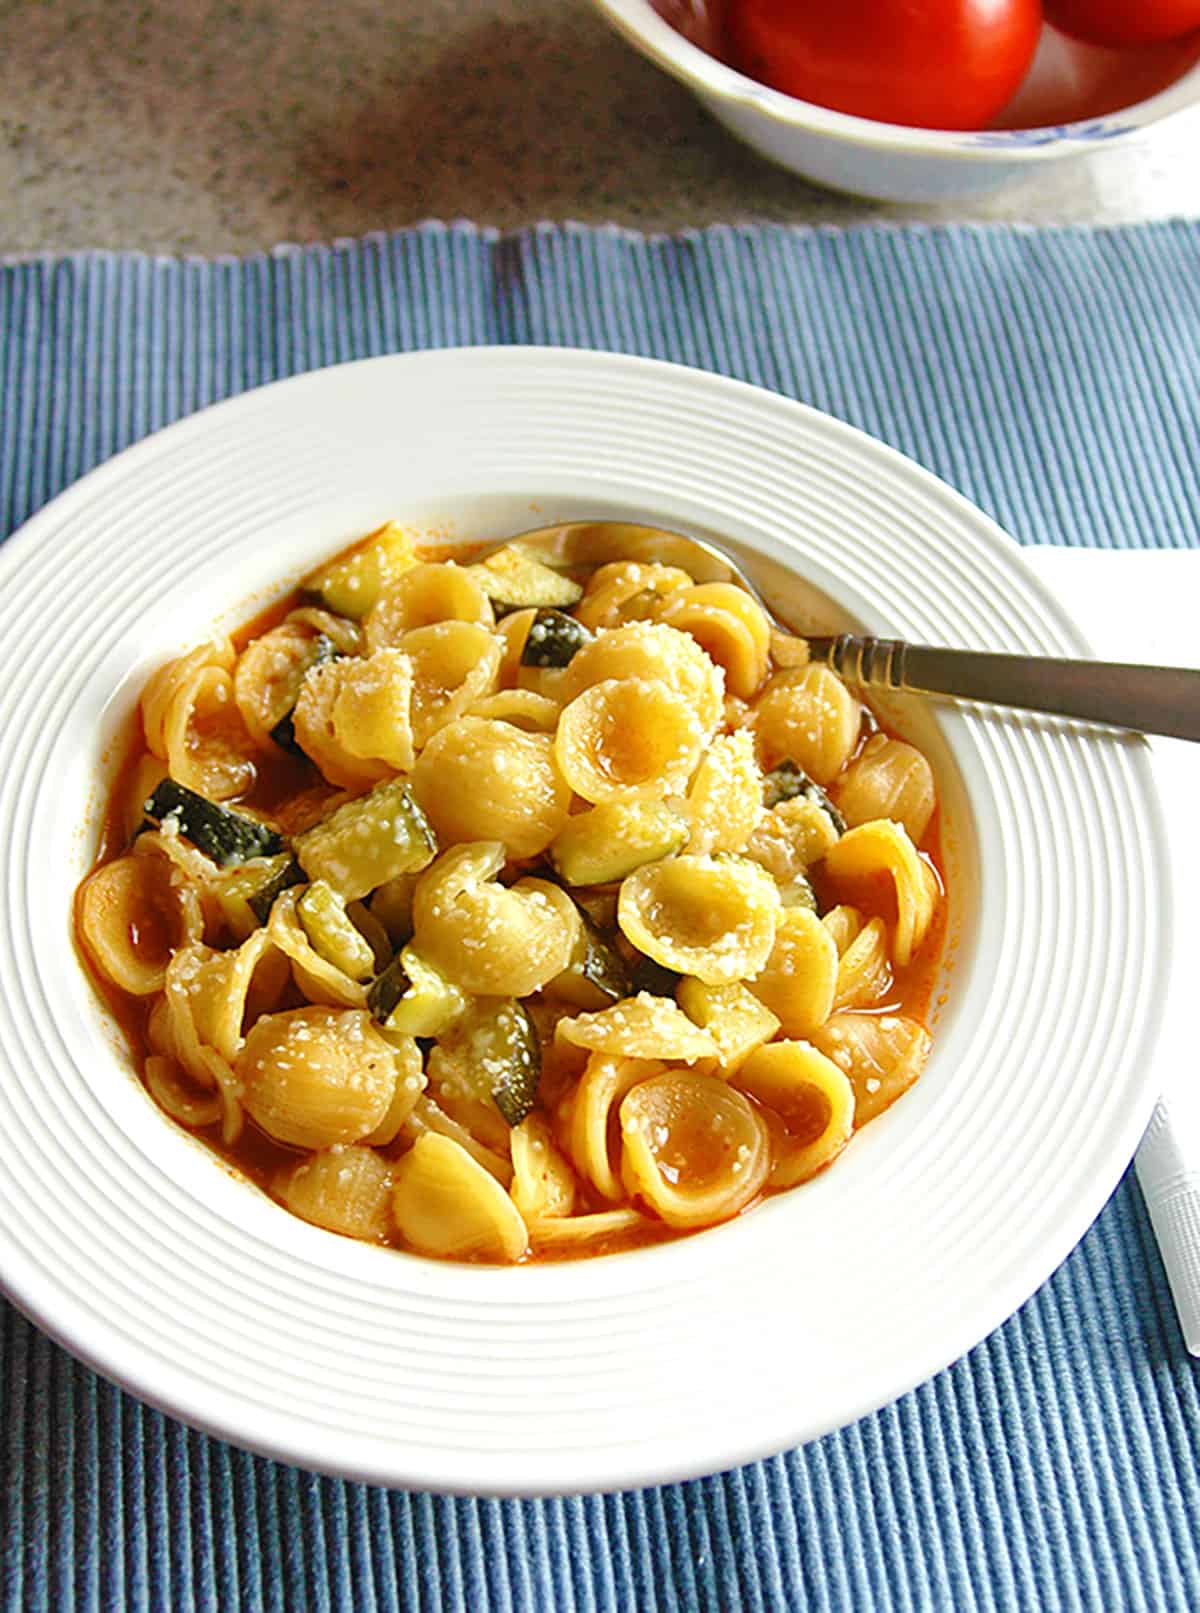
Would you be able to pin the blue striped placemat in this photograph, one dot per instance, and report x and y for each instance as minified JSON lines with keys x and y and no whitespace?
{"x":1054,"y":377}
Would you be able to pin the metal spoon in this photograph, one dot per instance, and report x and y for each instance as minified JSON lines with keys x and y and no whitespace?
{"x":1147,"y":699}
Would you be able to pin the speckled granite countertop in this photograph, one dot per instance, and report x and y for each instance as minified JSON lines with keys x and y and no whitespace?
{"x":227,"y":125}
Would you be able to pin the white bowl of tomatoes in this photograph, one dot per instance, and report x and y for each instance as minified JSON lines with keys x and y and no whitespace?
{"x":930,"y":101}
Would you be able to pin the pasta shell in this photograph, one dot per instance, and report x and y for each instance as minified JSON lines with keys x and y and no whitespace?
{"x":410,"y":1084}
{"x":344,"y":1189}
{"x":807,"y":716}
{"x":446,"y":1204}
{"x":483,"y":780}
{"x":641,"y":1027}
{"x":843,"y":923}
{"x":864,"y":969}
{"x":692,"y":1148}
{"x":132,"y":916}
{"x":809,"y":1106}
{"x":590,"y":1132}
{"x":888,"y":779}
{"x":267,"y":677}
{"x":521,"y":707}
{"x":314,"y":1077}
{"x":883,"y":847}
{"x":191,"y":722}
{"x":628,"y":739}
{"x":626,"y":591}
{"x":800,"y":976}
{"x":426,"y":1117}
{"x":188,"y":1105}
{"x":593,"y":1234}
{"x":725,"y":799}
{"x":712,"y":917}
{"x":485,"y":937}
{"x":659,"y":654}
{"x":543,"y":1182}
{"x":454,"y":664}
{"x":729,"y":626}
{"x":429,"y":592}
{"x":881,"y":1054}
{"x":353,"y":718}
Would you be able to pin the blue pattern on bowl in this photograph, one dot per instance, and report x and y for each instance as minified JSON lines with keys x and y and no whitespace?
{"x":1023,"y":139}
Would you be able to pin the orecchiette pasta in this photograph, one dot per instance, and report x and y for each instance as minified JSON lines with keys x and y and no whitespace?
{"x":808,"y":1103}
{"x":729,"y":626}
{"x":888,"y":779}
{"x":479,"y":779}
{"x":884,"y":848}
{"x":192,"y":723}
{"x":626,"y":739}
{"x":809,"y":716}
{"x":487,"y":937}
{"x":628,"y":591}
{"x":692,"y":1147}
{"x":511,"y":909}
{"x":422,"y":596}
{"x":345,"y":1189}
{"x":712,"y":917}
{"x":654,"y":653}
{"x":314,"y":1077}
{"x":353,"y":717}
{"x":725,"y":798}
{"x":453,"y":664}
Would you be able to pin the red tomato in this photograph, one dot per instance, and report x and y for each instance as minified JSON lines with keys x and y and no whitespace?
{"x":938,"y":64}
{"x":1124,"y":22}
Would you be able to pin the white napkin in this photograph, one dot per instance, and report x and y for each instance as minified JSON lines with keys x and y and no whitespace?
{"x":1143,"y":605}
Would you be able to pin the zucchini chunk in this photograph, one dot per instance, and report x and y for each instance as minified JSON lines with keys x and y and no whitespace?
{"x":287,"y":872}
{"x":553,"y":638}
{"x":513,"y":578}
{"x":331,"y":934}
{"x":789,"y":780}
{"x":284,"y":731}
{"x":351,"y":585}
{"x":414,"y":998}
{"x":647,"y":975}
{"x":226,"y":836}
{"x":502,"y":1047}
{"x":732,"y":1015}
{"x":247,"y":894}
{"x":609,"y":841}
{"x":597,"y":975}
{"x":367,"y":841}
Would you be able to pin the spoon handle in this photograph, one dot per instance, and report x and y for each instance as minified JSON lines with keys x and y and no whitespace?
{"x":1148,"y":699}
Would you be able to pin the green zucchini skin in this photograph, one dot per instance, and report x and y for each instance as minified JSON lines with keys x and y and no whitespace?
{"x":598,"y":975}
{"x":284,"y":731}
{"x":263,"y":900}
{"x":554,"y":638}
{"x":506,"y":1037}
{"x":387,"y":989}
{"x":413,"y":998}
{"x":220,"y":833}
{"x":789,"y":780}
{"x":659,"y":981}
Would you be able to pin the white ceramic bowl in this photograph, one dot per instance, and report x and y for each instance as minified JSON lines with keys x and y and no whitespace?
{"x":127,"y":1241}
{"x":1076,"y":99}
